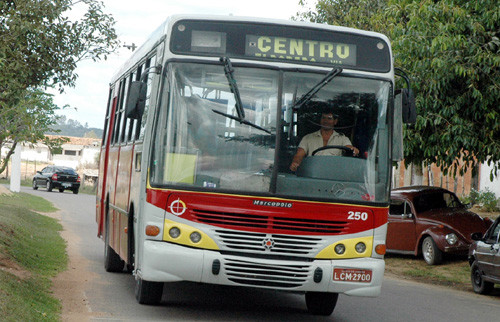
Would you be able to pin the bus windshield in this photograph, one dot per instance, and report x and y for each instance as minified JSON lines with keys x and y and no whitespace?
{"x":200,"y":144}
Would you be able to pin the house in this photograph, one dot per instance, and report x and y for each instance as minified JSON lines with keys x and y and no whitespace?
{"x":78,"y":153}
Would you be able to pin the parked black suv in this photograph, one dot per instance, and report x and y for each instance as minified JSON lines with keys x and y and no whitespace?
{"x":56,"y":177}
{"x":484,"y":258}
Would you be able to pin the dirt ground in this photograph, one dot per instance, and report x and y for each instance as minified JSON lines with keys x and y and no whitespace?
{"x":69,"y":286}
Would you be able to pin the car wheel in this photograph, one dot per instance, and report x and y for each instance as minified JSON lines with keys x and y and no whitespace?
{"x":148,"y":293}
{"x":35,"y":187}
{"x":478,"y":283}
{"x":75,"y":191}
{"x":320,"y":303}
{"x":61,"y":189}
{"x":431,"y":253}
{"x":49,"y":186}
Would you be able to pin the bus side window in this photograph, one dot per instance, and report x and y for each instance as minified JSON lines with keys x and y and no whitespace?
{"x":131,"y":122}
{"x":124,"y":127}
{"x":137,"y":128}
{"x":150,"y":62}
{"x":116,"y":128}
{"x":105,"y":136}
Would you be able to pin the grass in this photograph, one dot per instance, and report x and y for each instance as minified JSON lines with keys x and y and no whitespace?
{"x":453,"y":272}
{"x":31,"y":253}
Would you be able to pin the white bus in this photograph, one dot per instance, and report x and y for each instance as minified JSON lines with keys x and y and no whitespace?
{"x":202,"y":125}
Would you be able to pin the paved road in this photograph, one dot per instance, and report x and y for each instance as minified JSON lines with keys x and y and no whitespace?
{"x":111,"y":296}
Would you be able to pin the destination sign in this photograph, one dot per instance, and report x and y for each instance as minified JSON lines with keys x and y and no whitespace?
{"x":300,"y":50}
{"x":283,"y":43}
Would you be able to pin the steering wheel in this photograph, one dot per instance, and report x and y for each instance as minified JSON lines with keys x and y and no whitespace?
{"x":347,"y":151}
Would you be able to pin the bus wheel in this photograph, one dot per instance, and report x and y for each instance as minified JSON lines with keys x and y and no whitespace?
{"x":112,"y":261}
{"x":148,"y":293}
{"x":319,"y":303}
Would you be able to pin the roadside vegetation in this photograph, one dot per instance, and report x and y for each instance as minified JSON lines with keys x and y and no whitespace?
{"x":32,"y":253}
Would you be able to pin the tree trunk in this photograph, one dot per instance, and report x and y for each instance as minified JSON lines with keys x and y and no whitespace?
{"x":416,"y":175}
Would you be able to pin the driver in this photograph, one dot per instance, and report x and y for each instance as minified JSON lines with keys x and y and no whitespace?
{"x":325,"y":136}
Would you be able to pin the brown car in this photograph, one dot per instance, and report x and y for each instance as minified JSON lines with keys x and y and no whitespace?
{"x":430,"y":221}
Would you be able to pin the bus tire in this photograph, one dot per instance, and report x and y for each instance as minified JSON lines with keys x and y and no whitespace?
{"x":112,"y":261}
{"x":321,"y":303}
{"x":148,"y":293}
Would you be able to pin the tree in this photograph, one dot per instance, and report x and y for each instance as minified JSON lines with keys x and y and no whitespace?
{"x":27,"y":122}
{"x":451,"y":49}
{"x":39,"y":48}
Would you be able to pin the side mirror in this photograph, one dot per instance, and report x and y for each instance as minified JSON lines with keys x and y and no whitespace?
{"x":39,"y":172}
{"x":408,"y":110}
{"x":136,"y":100}
{"x":476,"y":236}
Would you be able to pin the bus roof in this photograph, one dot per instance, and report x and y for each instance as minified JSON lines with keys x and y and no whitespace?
{"x":165,"y":28}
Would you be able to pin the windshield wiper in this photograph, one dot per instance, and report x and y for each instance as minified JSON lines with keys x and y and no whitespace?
{"x":316,"y":88}
{"x":228,"y":70}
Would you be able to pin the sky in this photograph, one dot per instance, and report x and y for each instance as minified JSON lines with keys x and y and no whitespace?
{"x":135,"y":21}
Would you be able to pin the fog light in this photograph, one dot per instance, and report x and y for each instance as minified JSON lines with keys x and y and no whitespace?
{"x":152,"y":230}
{"x":360,"y":247}
{"x":340,"y":249}
{"x":380,"y":249}
{"x":451,"y":239}
{"x":195,"y":237}
{"x":174,"y":232}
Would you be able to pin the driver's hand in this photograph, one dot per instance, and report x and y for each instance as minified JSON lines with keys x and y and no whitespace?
{"x":355,"y":150}
{"x":294,"y":166}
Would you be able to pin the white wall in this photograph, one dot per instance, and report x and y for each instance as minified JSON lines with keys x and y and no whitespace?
{"x":485,"y":180}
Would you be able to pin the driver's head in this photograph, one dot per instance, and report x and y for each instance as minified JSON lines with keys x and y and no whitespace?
{"x":328,"y":120}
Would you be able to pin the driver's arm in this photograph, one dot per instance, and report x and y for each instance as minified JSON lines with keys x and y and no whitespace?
{"x":297,"y":159}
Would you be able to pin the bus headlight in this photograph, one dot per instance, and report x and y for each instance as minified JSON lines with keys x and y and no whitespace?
{"x":174,"y":232}
{"x":451,"y":239}
{"x":195,"y":237}
{"x":360,"y":247}
{"x":340,"y":249}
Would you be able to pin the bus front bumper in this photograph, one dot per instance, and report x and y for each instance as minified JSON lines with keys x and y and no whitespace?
{"x":166,"y":262}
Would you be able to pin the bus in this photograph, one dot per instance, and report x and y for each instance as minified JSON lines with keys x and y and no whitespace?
{"x":202,"y":124}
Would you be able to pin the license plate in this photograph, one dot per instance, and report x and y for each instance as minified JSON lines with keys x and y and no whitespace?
{"x":66,"y":185}
{"x":352,"y":275}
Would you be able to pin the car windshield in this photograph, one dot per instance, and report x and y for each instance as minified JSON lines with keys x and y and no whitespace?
{"x":200,"y":142}
{"x":436,"y":200}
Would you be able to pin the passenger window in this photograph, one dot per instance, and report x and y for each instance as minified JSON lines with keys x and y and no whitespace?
{"x":396,"y":208}
{"x":400,"y":208}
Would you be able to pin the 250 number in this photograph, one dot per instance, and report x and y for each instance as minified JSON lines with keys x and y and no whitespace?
{"x":357,"y":215}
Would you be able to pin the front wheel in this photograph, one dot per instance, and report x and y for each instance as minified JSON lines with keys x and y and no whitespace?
{"x":431,"y":253}
{"x":478,"y":283}
{"x":319,"y":303}
{"x":148,"y":293}
{"x":35,"y":187}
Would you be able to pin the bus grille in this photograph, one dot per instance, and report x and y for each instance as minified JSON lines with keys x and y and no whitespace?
{"x":245,"y":272}
{"x":245,"y":221}
{"x":269,"y":243}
